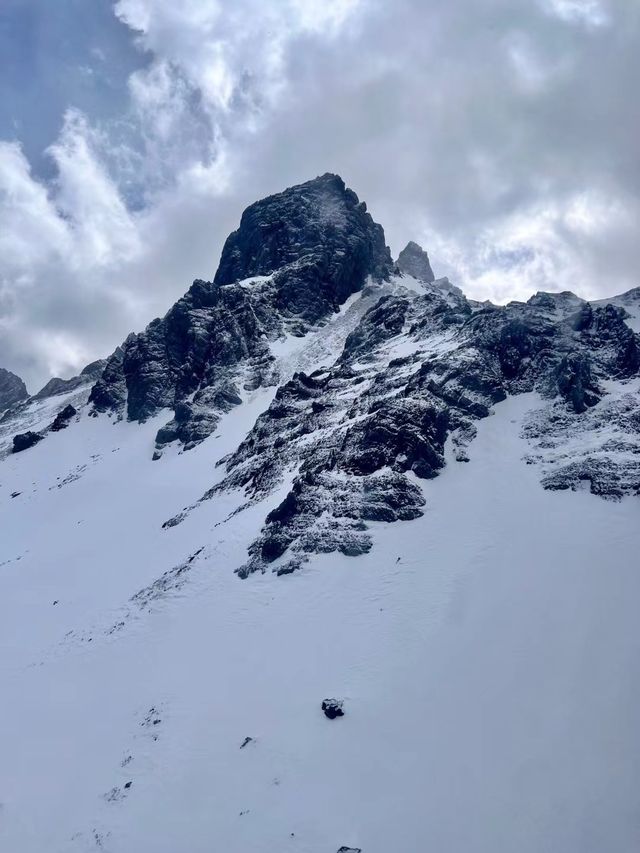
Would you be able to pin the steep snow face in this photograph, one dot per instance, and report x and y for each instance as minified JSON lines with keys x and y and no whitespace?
{"x":486,"y":654}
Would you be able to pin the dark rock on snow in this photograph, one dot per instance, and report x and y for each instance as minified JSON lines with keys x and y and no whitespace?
{"x":25,"y":440}
{"x":63,"y":417}
{"x":333,"y":708}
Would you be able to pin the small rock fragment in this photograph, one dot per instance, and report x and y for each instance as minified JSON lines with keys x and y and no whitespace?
{"x":332,"y":708}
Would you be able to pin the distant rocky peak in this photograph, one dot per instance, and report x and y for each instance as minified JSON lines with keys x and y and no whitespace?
{"x":56,"y":386}
{"x":12,"y":389}
{"x":414,"y":261}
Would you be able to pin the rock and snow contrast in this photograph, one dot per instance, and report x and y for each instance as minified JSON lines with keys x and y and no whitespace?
{"x":324,"y":474}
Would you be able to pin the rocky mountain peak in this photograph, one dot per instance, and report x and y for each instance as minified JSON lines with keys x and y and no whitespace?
{"x":307,"y":223}
{"x":294,"y":260}
{"x":414,"y":261}
{"x":12,"y":389}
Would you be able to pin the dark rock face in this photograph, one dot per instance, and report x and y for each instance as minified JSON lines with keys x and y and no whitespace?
{"x":318,"y":245}
{"x":63,"y":418}
{"x":317,"y":236}
{"x":56,"y":386}
{"x":575,"y":382}
{"x":12,"y":389}
{"x":414,"y":261}
{"x":25,"y":440}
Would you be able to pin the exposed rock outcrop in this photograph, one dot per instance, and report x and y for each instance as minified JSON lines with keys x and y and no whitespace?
{"x":63,"y":418}
{"x":25,"y":440}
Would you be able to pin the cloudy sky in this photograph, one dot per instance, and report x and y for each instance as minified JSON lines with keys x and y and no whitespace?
{"x":503,"y":135}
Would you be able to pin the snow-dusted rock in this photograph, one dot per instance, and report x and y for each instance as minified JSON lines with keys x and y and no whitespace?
{"x":333,"y":708}
{"x":25,"y":440}
{"x":12,"y":389}
{"x":63,"y":417}
{"x":415,"y":261}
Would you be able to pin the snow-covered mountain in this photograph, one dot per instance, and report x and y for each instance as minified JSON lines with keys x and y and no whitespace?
{"x":325,"y":476}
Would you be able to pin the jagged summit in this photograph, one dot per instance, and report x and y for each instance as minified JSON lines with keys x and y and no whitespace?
{"x":294,"y":260}
{"x":306,"y":224}
{"x":414,"y":261}
{"x":12,"y":389}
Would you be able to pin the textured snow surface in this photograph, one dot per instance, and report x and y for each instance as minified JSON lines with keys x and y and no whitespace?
{"x":487,"y":655}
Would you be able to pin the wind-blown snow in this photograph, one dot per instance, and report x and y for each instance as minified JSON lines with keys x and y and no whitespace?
{"x":487,"y":655}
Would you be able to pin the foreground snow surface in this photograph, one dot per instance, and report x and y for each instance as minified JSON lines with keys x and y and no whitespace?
{"x":487,"y":655}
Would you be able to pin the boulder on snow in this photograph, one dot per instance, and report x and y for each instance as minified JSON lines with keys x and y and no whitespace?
{"x":333,"y":708}
{"x":63,"y":417}
{"x":350,"y":850}
{"x":25,"y":440}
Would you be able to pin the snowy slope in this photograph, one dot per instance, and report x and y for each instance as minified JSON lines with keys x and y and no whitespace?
{"x":489,"y":665}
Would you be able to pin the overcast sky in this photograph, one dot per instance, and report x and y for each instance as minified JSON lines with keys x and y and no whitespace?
{"x":502,"y":135}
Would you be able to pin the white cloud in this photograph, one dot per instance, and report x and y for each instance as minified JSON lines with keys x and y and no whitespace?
{"x":590,"y":13}
{"x":30,"y":227}
{"x":88,"y":201}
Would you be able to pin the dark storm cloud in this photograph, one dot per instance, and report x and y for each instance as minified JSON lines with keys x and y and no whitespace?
{"x":502,"y":135}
